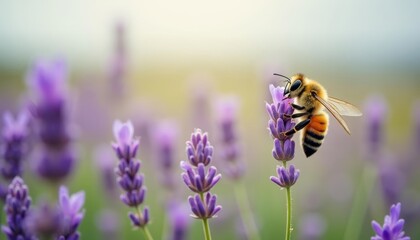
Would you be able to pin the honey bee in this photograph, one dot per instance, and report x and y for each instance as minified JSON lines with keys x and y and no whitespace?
{"x":310,"y":100}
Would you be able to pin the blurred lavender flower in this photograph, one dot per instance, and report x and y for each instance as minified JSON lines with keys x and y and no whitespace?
{"x":164,"y":137}
{"x":199,"y":153}
{"x":392,"y":178}
{"x":179,"y":221}
{"x":392,"y":229}
{"x":108,"y":224}
{"x":230,"y":151}
{"x":278,"y":124}
{"x":200,"y":100}
{"x":71,"y":213}
{"x":118,"y":63}
{"x":44,"y":221}
{"x":127,"y":172}
{"x":47,"y":80}
{"x":17,"y":206}
{"x":376,"y":112}
{"x":312,"y":227}
{"x":286,"y":177}
{"x":104,"y":161}
{"x":15,"y":132}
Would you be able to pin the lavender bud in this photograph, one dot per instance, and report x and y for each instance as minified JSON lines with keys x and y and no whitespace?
{"x":204,"y":209}
{"x":392,"y":227}
{"x":286,"y":177}
{"x":71,"y":213}
{"x":284,"y":151}
{"x":15,"y":132}
{"x":230,"y":151}
{"x":165,"y":135}
{"x":197,"y":179}
{"x":199,"y":149}
{"x":376,"y":112}
{"x":16,"y":207}
{"x":140,"y":220}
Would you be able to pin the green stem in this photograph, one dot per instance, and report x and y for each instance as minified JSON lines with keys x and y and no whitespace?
{"x":360,"y":205}
{"x":289,"y":211}
{"x":206,"y":226}
{"x":289,"y":214}
{"x":145,"y":229}
{"x":245,"y":211}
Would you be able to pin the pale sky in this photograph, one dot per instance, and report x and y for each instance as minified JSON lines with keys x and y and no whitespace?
{"x":357,"y":31}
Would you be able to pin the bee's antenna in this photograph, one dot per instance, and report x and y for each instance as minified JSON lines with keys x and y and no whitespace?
{"x":276,"y":74}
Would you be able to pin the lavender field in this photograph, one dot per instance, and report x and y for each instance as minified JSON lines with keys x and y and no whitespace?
{"x":138,"y":120}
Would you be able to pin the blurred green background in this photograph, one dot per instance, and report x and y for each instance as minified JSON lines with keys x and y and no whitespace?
{"x":178,"y":52}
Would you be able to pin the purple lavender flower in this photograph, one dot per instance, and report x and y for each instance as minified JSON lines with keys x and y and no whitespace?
{"x":71,"y":213}
{"x":230,"y":151}
{"x":15,"y":132}
{"x":108,"y":224}
{"x":284,"y":151}
{"x":278,"y":124}
{"x":199,"y":153}
{"x":199,"y":149}
{"x":17,"y":206}
{"x":54,"y":165}
{"x":286,"y":177}
{"x":392,"y":229}
{"x":204,"y":209}
{"x":104,"y":161}
{"x":128,"y":176}
{"x":197,"y":179}
{"x":376,"y":113}
{"x":165,"y":135}
{"x":179,"y":221}
{"x":47,"y":80}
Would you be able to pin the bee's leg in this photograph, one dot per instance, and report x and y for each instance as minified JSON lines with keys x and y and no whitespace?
{"x":297,"y":107}
{"x":298,"y":127}
{"x":296,"y":115}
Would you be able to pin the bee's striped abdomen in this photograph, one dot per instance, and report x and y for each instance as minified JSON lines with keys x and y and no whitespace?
{"x":313,"y":134}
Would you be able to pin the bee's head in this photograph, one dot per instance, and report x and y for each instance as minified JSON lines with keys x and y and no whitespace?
{"x":293,"y":85}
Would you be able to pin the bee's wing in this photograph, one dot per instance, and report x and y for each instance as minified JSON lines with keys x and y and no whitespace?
{"x":332,"y":109}
{"x":344,"y":108}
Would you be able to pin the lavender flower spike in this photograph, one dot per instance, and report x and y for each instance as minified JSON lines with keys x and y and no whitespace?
{"x":227,"y":111}
{"x":199,"y":152}
{"x":14,"y":135}
{"x":128,"y":176}
{"x":17,"y":205}
{"x":392,"y":228}
{"x":279,"y":123}
{"x":47,"y":81}
{"x":286,"y":177}
{"x":71,"y":213}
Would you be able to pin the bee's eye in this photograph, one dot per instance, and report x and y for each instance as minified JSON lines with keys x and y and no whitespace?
{"x":295,"y":85}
